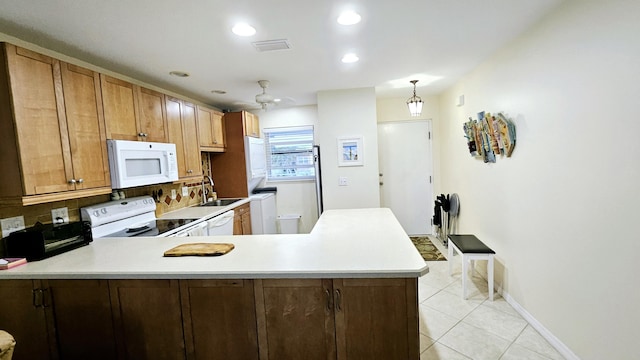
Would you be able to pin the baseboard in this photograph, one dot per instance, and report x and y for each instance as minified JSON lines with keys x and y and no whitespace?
{"x":546,"y":334}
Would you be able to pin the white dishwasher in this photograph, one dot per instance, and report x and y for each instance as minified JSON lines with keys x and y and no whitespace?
{"x":221,"y":224}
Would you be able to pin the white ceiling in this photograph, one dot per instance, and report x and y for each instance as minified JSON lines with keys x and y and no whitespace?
{"x":396,"y":41}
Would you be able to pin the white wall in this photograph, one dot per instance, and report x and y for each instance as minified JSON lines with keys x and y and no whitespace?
{"x":561,"y":212}
{"x":348,"y":113}
{"x":294,"y":197}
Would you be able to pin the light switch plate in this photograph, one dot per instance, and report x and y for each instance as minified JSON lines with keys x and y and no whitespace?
{"x":185,"y":191}
{"x":10,"y":225}
{"x":343,"y":181}
{"x":60,"y":216}
{"x":174,"y":194}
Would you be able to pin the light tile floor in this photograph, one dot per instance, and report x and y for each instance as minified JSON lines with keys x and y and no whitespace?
{"x":476,"y":328}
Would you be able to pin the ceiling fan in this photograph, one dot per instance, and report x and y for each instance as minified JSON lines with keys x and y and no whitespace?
{"x":264,"y":99}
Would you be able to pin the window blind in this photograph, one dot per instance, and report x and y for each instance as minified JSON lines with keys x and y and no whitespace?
{"x":289,"y":153}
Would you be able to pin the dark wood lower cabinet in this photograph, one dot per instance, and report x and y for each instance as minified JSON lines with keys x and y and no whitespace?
{"x":219,"y":319}
{"x":83,"y":321}
{"x":295,"y":319}
{"x":148,"y":319}
{"x":376,"y":318}
{"x":342,"y":319}
{"x":22,"y":314}
{"x":278,"y":319}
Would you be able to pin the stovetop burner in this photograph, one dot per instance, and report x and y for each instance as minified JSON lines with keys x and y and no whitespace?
{"x":153,"y":228}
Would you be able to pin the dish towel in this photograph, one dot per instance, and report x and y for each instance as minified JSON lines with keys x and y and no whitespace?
{"x":7,"y":344}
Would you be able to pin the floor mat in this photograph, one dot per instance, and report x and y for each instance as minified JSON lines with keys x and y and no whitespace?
{"x":426,"y":248}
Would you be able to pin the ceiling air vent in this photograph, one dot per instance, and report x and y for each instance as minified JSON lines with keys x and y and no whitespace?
{"x":272,"y":45}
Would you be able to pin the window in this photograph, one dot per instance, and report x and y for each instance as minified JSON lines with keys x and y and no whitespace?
{"x":289,"y":153}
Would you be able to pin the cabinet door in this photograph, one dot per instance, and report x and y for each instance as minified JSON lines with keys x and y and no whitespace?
{"x":218,"y":130}
{"x":85,"y":125}
{"x":174,"y":122}
{"x":295,"y":319}
{"x":23,"y":320}
{"x":205,"y":127}
{"x":242,"y":220}
{"x":210,"y":130}
{"x":246,"y":223}
{"x":84,"y":325}
{"x":120,"y":100}
{"x":191,"y":142}
{"x":376,"y":318}
{"x":39,"y":111}
{"x":148,"y":319}
{"x":219,"y":319}
{"x":251,"y":124}
{"x":153,"y":116}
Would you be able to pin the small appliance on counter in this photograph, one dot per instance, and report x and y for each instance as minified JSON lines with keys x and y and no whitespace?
{"x":45,"y":240}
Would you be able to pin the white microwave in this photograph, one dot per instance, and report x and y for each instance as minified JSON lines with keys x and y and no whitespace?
{"x":138,"y":163}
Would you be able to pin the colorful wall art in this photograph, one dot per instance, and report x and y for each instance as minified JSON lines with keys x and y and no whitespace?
{"x":490,"y":136}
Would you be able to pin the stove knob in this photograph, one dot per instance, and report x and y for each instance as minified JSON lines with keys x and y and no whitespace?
{"x":96,"y":213}
{"x":103,"y":210}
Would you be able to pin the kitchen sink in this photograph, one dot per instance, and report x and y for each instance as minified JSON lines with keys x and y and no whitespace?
{"x":221,"y":202}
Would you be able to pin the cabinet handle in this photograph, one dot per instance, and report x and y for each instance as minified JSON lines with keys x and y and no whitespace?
{"x":34,"y":298}
{"x":72,"y":181}
{"x":338,"y":300}
{"x":141,"y":134}
{"x":38,"y":298}
{"x":80,"y":181}
{"x":45,"y":295}
{"x":328,"y":293}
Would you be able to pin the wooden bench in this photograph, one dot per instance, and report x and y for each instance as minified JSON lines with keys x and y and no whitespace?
{"x":470,"y":249}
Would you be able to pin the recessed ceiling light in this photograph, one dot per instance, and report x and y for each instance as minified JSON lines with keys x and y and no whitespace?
{"x":349,"y":18}
{"x":221,"y":92}
{"x":179,"y":73}
{"x":350,"y":58}
{"x":277,"y":100}
{"x":243,"y":29}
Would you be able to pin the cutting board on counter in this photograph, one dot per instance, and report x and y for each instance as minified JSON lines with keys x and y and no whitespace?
{"x":200,"y":249}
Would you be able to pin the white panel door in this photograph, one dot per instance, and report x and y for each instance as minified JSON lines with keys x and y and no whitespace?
{"x":405,"y":162}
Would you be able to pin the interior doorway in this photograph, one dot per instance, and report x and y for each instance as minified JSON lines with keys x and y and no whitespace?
{"x":406,"y":173}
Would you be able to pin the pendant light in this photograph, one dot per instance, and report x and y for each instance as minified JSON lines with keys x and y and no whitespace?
{"x":415,"y":102}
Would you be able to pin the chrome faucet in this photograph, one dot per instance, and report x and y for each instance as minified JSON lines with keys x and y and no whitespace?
{"x":204,"y":190}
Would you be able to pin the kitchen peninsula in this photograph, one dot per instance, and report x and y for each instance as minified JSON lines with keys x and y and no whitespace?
{"x":347,"y":290}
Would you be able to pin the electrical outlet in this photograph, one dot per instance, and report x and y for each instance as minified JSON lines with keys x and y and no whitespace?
{"x":185,"y":191}
{"x":10,"y":225}
{"x":343,"y":181}
{"x":60,"y":216}
{"x":174,"y":194}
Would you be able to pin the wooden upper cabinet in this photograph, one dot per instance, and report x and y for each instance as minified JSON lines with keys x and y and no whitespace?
{"x":132,"y":112}
{"x":54,"y":110}
{"x":153,"y":115}
{"x":183,"y":131}
{"x":121,"y":112}
{"x":85,"y":126}
{"x":211,"y":130}
{"x":251,"y":124}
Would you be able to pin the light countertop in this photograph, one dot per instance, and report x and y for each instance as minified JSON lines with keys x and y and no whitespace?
{"x":352,"y":243}
{"x":202,"y":212}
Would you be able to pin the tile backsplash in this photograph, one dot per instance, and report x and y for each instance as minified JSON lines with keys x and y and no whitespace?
{"x":42,"y":212}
